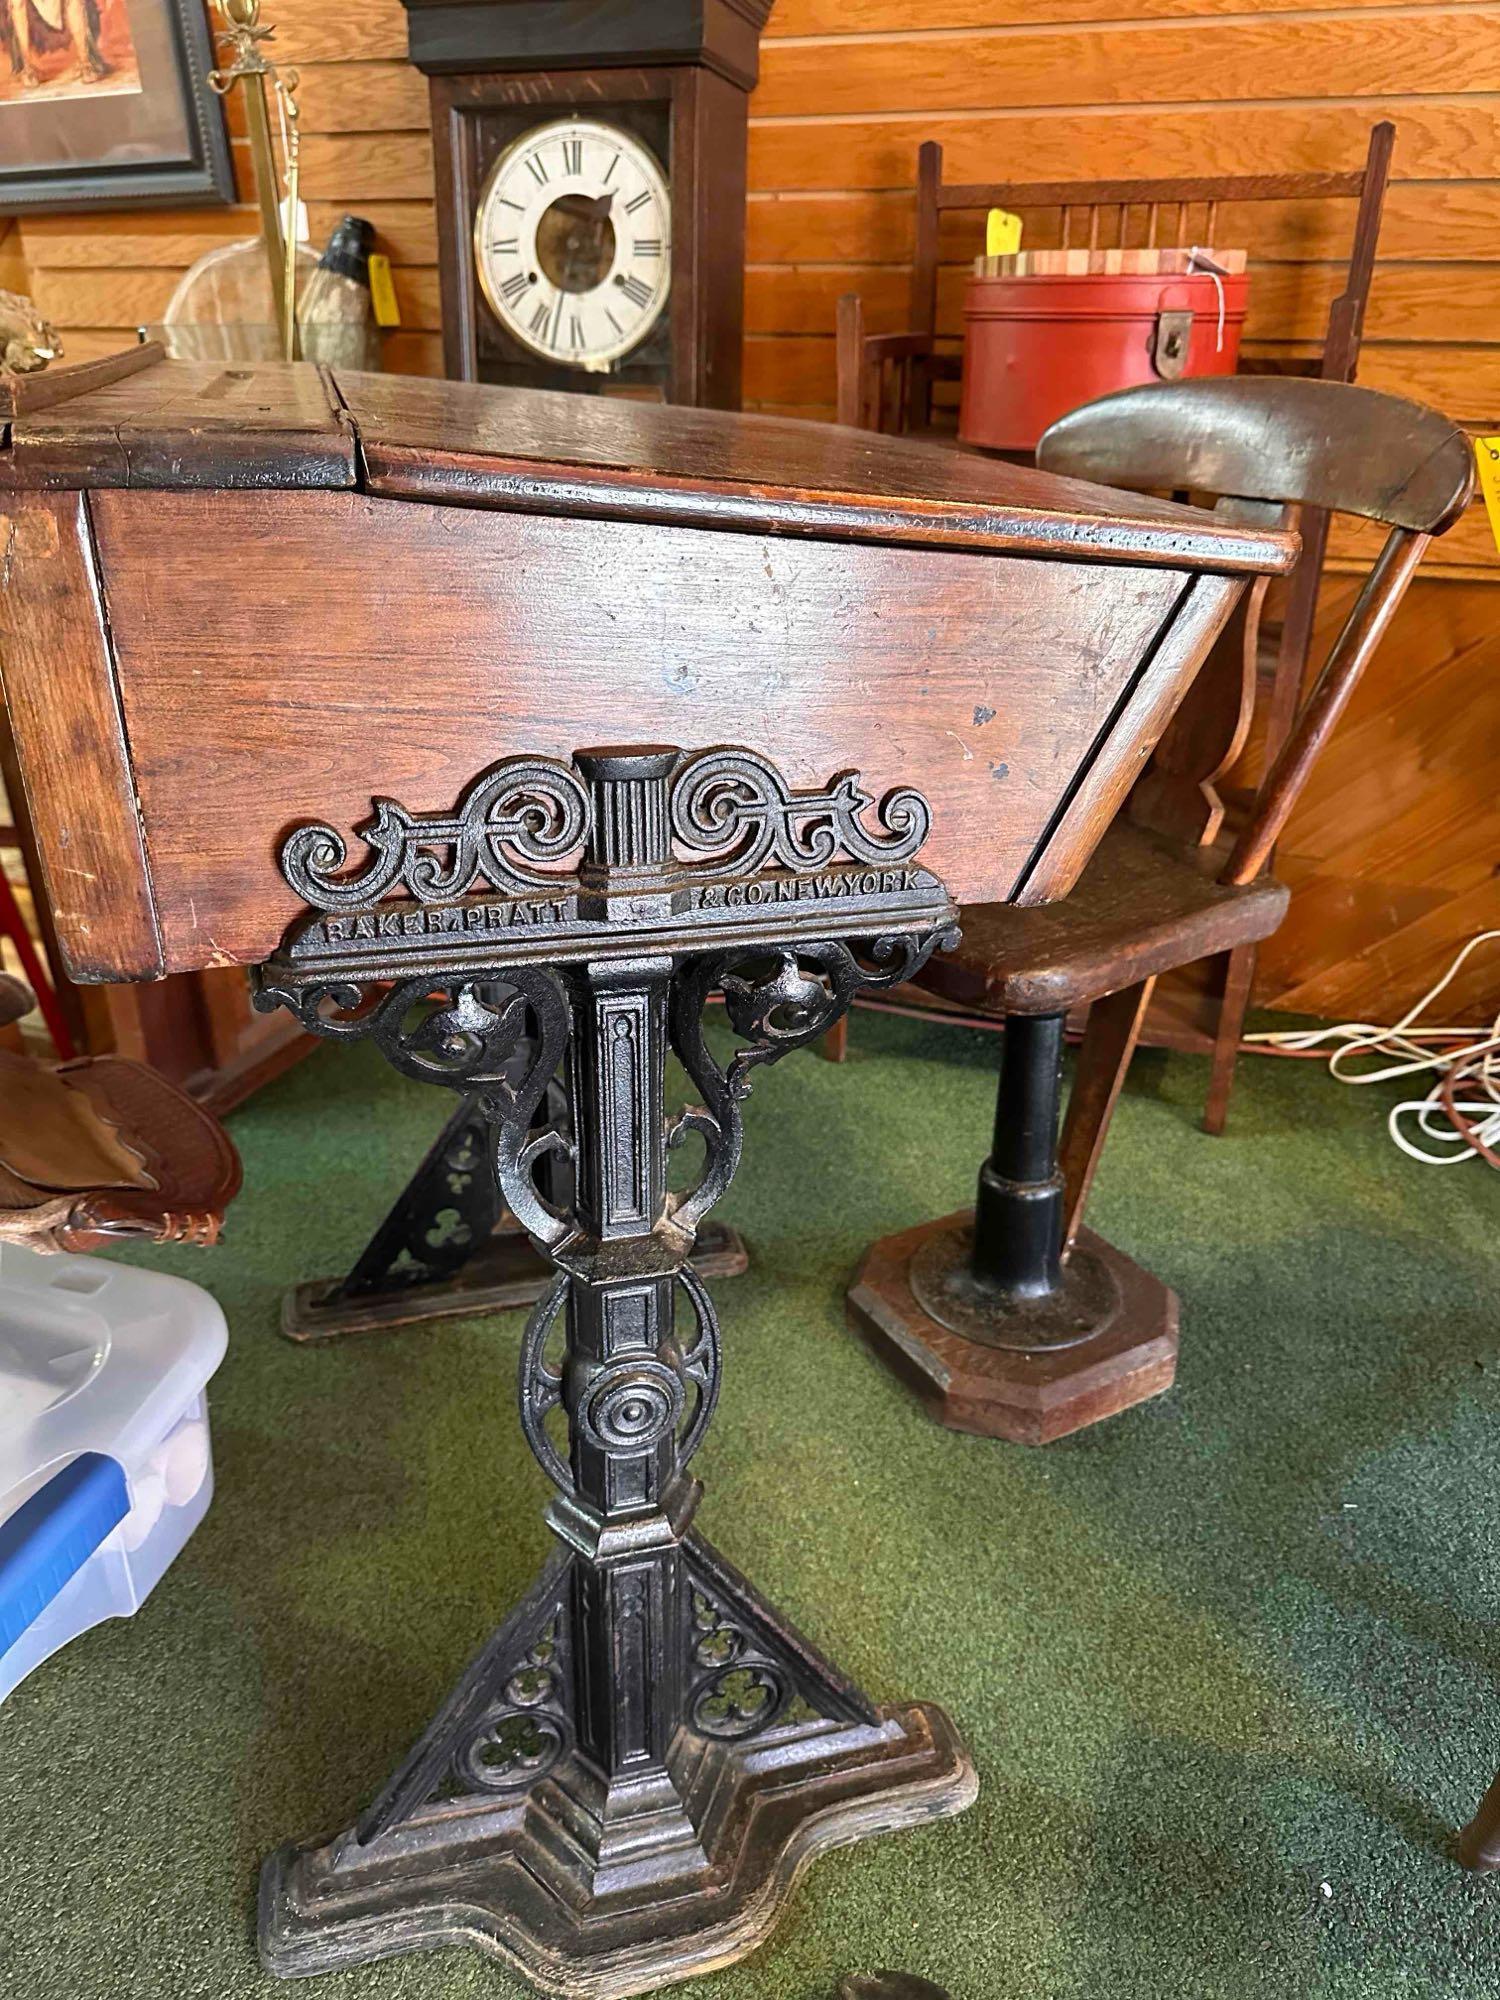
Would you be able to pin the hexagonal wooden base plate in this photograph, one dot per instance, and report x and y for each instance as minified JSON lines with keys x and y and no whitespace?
{"x":1029,"y":1398}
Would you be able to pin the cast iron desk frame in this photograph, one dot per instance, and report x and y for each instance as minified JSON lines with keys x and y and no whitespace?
{"x":631,"y":1774}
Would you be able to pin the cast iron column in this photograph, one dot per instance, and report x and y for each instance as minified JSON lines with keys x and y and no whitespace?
{"x":1018,"y":1213}
{"x":623,"y":1396}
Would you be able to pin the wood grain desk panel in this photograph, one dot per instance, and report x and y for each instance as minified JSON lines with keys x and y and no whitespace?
{"x":309,"y":589}
{"x":384,"y":649}
{"x":474,"y":446}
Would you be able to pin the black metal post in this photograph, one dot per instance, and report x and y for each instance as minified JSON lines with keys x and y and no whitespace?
{"x":1000,"y":1280}
{"x":1018,"y":1214}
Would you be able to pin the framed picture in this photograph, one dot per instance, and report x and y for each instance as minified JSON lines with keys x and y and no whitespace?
{"x":105,"y":103}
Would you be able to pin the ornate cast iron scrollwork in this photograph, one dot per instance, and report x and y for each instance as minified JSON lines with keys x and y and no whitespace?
{"x":775,"y":1002}
{"x":524,"y":811}
{"x":628,"y":1406}
{"x":730,"y":810}
{"x":470,"y":1043}
{"x":737,"y":808}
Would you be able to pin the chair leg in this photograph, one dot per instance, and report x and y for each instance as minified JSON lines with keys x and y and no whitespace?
{"x":980,"y":1313}
{"x":1109,"y":1041}
{"x":1232,"y":1011}
{"x":1018,"y":1212}
{"x":1479,"y":1843}
{"x":834,"y":1046}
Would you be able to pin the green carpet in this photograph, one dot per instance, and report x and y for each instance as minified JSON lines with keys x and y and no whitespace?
{"x":1227,"y":1664}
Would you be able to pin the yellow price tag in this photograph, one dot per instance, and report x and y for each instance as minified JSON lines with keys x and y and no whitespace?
{"x":1002,"y":233}
{"x":1487,"y":456}
{"x":383,"y":292}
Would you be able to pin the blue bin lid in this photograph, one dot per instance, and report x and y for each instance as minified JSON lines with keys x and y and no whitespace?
{"x":53,"y":1533}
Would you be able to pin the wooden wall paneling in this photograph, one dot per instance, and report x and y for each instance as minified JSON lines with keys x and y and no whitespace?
{"x":1392,"y":852}
{"x":14,"y":272}
{"x":847,"y":17}
{"x":1468,"y":549}
{"x":316,"y":31}
{"x":1434,"y":221}
{"x":391,"y":97}
{"x":1457,"y":136}
{"x":1426,"y":50}
{"x":1451,"y":303}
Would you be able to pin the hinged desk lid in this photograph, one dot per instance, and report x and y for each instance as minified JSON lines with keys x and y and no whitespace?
{"x":243,"y":599}
{"x":268,"y":424}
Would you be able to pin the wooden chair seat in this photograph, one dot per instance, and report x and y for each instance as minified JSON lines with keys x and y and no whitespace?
{"x":1142,"y":906}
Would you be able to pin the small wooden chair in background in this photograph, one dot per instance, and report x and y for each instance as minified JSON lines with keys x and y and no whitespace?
{"x":101,"y":1149}
{"x":1014,"y":1320}
{"x":886,"y":382}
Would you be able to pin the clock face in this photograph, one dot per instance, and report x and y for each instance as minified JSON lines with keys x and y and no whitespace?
{"x":573,"y":242}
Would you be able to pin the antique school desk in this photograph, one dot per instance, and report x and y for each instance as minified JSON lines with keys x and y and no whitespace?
{"x":310,"y":674}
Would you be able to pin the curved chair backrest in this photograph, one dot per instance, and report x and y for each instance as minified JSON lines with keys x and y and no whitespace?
{"x":1264,"y":437}
{"x":1286,"y":441}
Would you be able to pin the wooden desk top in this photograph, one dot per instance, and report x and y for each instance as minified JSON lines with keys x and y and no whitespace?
{"x":243,"y":599}
{"x":201,"y":424}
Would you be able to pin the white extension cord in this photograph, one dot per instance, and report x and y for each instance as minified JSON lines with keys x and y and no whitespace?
{"x":1445,"y":1129}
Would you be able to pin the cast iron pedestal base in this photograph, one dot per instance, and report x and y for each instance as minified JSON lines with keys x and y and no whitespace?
{"x":497,"y":1834}
{"x":1121,"y":1328}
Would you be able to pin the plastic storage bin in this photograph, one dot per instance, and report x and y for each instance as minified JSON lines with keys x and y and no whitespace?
{"x":105,"y":1466}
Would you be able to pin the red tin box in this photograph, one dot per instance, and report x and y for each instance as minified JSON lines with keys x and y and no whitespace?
{"x":1037,"y":347}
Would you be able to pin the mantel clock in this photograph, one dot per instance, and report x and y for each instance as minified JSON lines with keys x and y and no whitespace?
{"x":590,"y":178}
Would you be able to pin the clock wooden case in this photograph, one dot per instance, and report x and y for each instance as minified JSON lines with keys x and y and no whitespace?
{"x":589,"y":161}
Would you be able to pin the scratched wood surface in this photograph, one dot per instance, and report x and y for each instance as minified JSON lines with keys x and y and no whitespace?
{"x":460,"y":638}
{"x":61,"y":699}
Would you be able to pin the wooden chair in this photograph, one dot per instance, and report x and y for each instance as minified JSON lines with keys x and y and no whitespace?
{"x":1016,"y":1321}
{"x":886,"y":383}
{"x":103,"y":1148}
{"x":886,"y":380}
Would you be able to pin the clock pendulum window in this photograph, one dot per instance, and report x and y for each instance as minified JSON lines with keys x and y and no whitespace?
{"x":573,"y":242}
